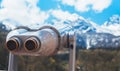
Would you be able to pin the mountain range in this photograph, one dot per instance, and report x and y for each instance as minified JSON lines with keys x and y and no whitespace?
{"x":89,"y":34}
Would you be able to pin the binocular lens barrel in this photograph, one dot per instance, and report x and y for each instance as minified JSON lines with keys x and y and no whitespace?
{"x":31,"y":44}
{"x":12,"y":44}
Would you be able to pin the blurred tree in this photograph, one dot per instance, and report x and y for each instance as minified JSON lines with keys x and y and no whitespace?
{"x":3,"y":52}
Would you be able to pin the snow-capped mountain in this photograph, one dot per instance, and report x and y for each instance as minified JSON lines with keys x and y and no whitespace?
{"x":83,"y":25}
{"x":80,"y":25}
{"x":89,"y":34}
{"x":105,"y":36}
{"x":112,"y":25}
{"x":115,"y":19}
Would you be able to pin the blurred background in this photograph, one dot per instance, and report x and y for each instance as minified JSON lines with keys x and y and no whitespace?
{"x":86,"y":60}
{"x":84,"y":16}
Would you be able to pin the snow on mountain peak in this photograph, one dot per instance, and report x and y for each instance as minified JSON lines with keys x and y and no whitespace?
{"x":80,"y":25}
{"x":112,"y":25}
{"x":115,"y":19}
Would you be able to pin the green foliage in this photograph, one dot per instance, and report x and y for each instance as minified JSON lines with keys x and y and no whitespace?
{"x":3,"y":52}
{"x":99,"y":60}
{"x":41,"y":63}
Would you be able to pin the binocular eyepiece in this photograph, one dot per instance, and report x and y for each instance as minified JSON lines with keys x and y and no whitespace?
{"x":30,"y":44}
{"x":13,"y":44}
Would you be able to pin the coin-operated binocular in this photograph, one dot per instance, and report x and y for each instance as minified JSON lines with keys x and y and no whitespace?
{"x":44,"y":41}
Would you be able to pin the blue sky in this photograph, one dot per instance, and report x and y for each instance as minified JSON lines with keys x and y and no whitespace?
{"x":97,"y":17}
{"x":27,"y":12}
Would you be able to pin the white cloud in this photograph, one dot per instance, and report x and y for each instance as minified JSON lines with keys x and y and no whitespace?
{"x":86,"y":5}
{"x":63,"y":15}
{"x":25,"y":12}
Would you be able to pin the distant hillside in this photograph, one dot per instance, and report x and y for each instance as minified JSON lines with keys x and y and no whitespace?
{"x":3,"y":27}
